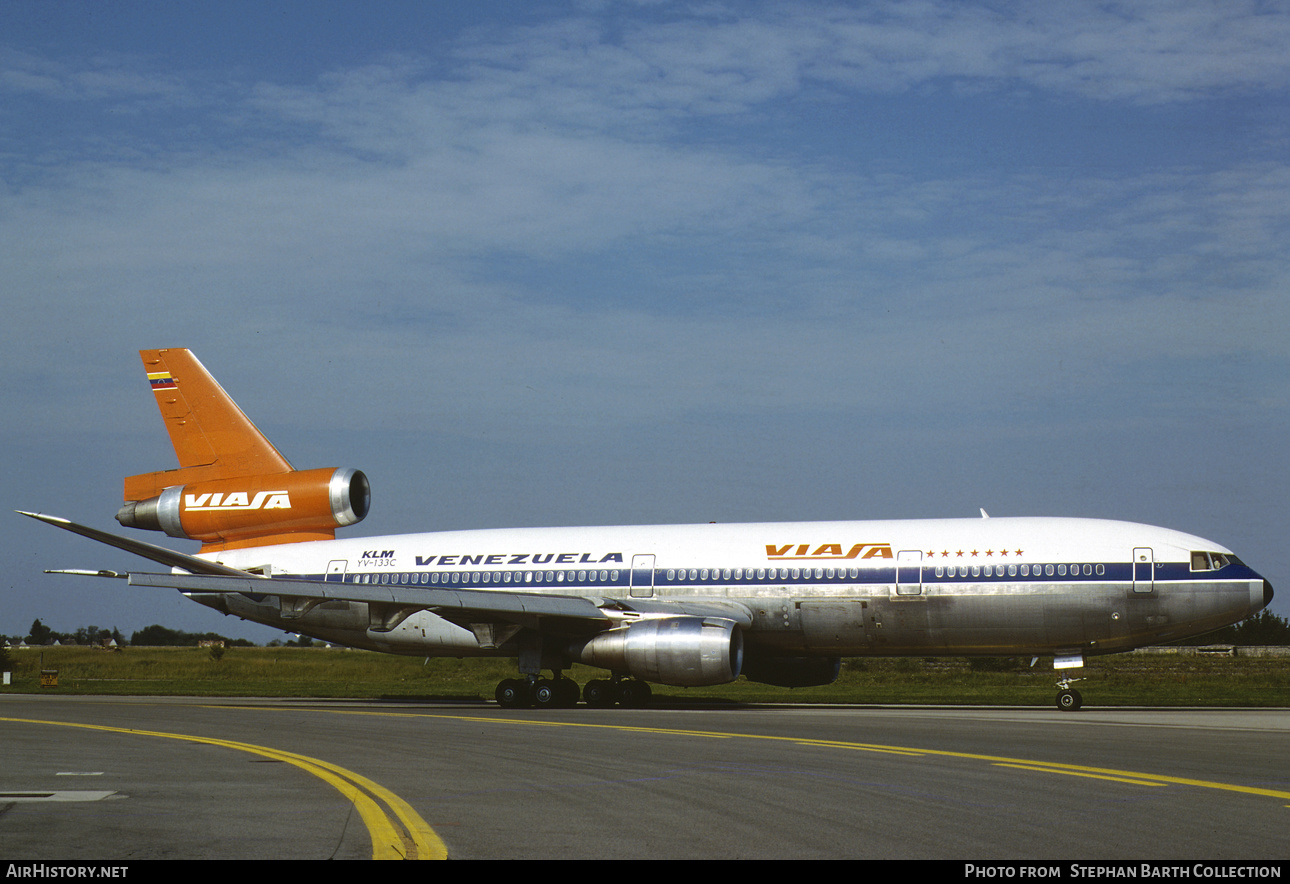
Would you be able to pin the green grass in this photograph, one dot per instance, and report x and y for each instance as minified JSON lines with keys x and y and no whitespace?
{"x":1118,"y":680}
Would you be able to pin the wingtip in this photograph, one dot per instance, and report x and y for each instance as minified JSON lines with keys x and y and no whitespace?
{"x":43,"y":517}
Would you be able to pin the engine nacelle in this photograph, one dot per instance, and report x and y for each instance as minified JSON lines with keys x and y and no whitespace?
{"x":311,"y":504}
{"x":793,"y":672}
{"x":680,"y":651}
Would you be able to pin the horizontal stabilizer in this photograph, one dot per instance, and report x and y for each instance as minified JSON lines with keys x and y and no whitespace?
{"x":158,"y":554}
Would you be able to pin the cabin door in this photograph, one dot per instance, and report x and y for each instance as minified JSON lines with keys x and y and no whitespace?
{"x":909,"y":572}
{"x":1144,"y":568}
{"x":642,"y":577}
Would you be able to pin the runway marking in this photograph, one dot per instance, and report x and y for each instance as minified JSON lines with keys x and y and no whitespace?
{"x":1042,"y":768}
{"x":64,"y":795}
{"x":1023,"y":763}
{"x":1047,"y":766}
{"x":863,"y":747}
{"x":415,"y":840}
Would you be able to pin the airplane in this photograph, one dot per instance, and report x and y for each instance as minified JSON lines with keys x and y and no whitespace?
{"x":683,"y":605}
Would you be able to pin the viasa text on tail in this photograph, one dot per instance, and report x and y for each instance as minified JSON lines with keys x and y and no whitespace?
{"x":688,"y":605}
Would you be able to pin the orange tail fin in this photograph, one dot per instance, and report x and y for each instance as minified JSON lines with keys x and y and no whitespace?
{"x":213,"y":439}
{"x":233,"y":488}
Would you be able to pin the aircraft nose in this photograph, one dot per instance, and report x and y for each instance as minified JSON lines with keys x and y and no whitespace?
{"x":1267,"y":593}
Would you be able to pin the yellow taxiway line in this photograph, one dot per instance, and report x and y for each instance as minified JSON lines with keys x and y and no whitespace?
{"x":414,"y":839}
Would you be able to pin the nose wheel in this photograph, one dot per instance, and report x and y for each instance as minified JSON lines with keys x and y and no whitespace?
{"x":1068,"y":699}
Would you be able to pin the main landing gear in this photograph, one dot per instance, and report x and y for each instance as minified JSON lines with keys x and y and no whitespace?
{"x":561,"y":692}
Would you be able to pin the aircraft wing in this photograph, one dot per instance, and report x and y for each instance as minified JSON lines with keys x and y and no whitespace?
{"x":391,"y":604}
{"x":470,"y":602}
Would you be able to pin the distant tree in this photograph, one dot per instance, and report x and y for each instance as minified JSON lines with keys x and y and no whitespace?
{"x":1264,"y":628}
{"x":90,"y":635}
{"x":40,"y":634}
{"x":159,"y":636}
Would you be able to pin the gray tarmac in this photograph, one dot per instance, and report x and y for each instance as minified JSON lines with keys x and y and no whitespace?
{"x":157,"y":778}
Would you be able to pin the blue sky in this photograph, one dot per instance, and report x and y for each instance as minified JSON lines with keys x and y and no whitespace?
{"x":592,"y":263}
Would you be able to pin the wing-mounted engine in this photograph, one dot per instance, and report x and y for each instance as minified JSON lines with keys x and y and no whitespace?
{"x":285,"y":507}
{"x":681,"y":651}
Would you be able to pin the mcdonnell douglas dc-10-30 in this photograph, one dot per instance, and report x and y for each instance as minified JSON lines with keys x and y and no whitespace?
{"x":685,"y":605}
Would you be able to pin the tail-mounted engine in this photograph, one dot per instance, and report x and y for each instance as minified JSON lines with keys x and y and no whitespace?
{"x":681,"y":651}
{"x":252,"y":510}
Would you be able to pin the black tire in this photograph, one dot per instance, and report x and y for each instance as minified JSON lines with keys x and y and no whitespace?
{"x":1069,"y":700}
{"x":512,"y":693}
{"x":598,"y":692}
{"x":633,"y":693}
{"x":545,"y":694}
{"x":567,"y":693}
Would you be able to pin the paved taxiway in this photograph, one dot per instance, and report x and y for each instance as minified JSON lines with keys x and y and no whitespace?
{"x":194,"y":778}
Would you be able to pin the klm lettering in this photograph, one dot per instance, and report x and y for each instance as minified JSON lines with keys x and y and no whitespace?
{"x":828,"y":551}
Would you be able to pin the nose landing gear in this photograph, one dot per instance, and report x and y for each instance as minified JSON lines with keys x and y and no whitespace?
{"x":1068,"y":699}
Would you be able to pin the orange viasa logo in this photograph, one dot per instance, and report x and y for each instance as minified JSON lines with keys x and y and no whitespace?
{"x":238,"y":500}
{"x":829,"y":551}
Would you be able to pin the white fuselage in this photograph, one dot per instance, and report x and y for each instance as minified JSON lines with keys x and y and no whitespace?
{"x":799,"y":589}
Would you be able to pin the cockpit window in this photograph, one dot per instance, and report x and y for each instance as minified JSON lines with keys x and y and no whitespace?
{"x":1208,"y":561}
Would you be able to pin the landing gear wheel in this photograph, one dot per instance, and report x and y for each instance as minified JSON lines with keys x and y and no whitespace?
{"x":598,"y":692}
{"x":512,"y":693}
{"x":1069,"y":700}
{"x":545,"y":694}
{"x":633,"y":693}
{"x":567,"y":693}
